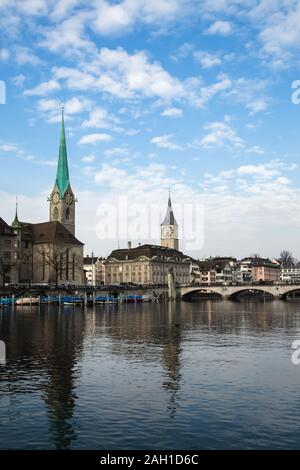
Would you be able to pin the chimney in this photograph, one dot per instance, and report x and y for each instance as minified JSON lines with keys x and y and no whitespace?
{"x":129,"y":245}
{"x":139,"y":244}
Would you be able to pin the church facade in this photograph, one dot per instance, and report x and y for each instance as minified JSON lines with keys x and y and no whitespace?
{"x":47,"y":252}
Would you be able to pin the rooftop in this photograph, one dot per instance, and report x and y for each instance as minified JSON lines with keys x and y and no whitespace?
{"x":147,"y":250}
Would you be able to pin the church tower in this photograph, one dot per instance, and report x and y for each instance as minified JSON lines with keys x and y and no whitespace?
{"x":62,"y":201}
{"x":169,"y":229}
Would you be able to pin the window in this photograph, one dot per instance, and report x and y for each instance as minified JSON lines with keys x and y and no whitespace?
{"x":55,"y":213}
{"x":67,"y":213}
{"x":73,"y":266}
{"x":67,"y":265}
{"x":61,"y":266}
{"x":43,"y":266}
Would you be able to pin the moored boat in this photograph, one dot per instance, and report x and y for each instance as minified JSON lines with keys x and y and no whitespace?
{"x":28,"y":301}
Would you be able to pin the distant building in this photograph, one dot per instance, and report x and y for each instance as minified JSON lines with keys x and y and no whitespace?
{"x":147,"y":265}
{"x":9,"y":252}
{"x":254,"y":269}
{"x":94,"y":268}
{"x":290,"y":275}
{"x":195,"y":272}
{"x":216,"y":271}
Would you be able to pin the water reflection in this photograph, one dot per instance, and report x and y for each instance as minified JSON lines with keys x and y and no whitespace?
{"x":60,"y":363}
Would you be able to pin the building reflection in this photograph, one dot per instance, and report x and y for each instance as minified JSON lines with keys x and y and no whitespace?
{"x":59,"y":395}
{"x":171,"y":357}
{"x":44,"y":347}
{"x":150,"y":333}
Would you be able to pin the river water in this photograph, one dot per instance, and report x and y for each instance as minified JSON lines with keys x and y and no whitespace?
{"x":201,"y":375}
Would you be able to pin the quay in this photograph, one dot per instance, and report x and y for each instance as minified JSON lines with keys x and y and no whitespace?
{"x":79,"y":295}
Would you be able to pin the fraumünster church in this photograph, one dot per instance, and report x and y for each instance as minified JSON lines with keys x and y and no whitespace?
{"x":46,"y":252}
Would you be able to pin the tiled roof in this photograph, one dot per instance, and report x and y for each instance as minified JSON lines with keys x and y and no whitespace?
{"x":149,"y":251}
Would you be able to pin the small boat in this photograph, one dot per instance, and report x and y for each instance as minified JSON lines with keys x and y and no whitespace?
{"x":28,"y":301}
{"x":134,"y":298}
{"x":6,"y":302}
{"x":68,"y":300}
{"x":51,"y":299}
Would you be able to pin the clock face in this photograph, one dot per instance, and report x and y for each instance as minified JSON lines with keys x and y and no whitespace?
{"x":69,"y":199}
{"x":165,"y":233}
{"x":168,"y":232}
{"x":55,"y":198}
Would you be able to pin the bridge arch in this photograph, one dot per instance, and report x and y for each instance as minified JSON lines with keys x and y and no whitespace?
{"x":203,"y":293}
{"x":252,"y":289}
{"x":290,"y":290}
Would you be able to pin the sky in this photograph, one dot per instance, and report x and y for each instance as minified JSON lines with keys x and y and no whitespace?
{"x":197,"y":97}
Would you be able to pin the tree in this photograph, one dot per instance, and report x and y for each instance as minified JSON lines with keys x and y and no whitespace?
{"x":287,"y":259}
{"x":5,"y":269}
{"x":58,"y":261}
{"x":255,"y":255}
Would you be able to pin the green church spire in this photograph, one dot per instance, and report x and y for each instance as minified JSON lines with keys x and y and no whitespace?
{"x":62,"y":174}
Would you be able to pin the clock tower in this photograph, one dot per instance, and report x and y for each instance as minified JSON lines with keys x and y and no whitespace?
{"x":62,"y":200}
{"x":169,"y":229}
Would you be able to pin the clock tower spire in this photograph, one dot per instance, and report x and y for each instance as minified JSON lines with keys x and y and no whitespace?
{"x":169,"y":229}
{"x":62,"y":201}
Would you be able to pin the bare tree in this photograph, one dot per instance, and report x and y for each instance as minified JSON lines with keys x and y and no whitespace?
{"x":5,"y":269}
{"x":287,"y":259}
{"x":255,"y":255}
{"x":58,"y":261}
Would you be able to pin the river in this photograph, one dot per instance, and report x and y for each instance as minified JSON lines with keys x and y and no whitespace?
{"x":199,"y":375}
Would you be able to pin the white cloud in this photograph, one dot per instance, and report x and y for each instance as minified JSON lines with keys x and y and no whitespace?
{"x":51,"y":108}
{"x":199,"y":94}
{"x":257,"y":106}
{"x":222,"y":134}
{"x":43,"y":89}
{"x":100,"y":118}
{"x":122,"y":16}
{"x":206,"y":59}
{"x":164,"y":141}
{"x":19,"y":80}
{"x":172,"y":112}
{"x":123,"y":75}
{"x":89,"y":158}
{"x":223,"y":28}
{"x":94,"y":138}
{"x":68,"y":36}
{"x":256,"y":149}
{"x":117,"y":152}
{"x":24,"y":55}
{"x":4,"y":55}
{"x":6,"y":147}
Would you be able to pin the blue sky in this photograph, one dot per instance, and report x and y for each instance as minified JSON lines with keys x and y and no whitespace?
{"x":191,"y":95}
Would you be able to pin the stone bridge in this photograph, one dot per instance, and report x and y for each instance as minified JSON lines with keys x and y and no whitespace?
{"x":278,"y":291}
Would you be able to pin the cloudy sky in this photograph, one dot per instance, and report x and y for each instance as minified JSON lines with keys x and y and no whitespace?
{"x":191,"y":95}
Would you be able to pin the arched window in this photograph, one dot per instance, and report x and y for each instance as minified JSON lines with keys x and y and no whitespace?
{"x":67,"y":264}
{"x":67,"y":213}
{"x":73,"y":266}
{"x":61,"y":262}
{"x":55,"y":213}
